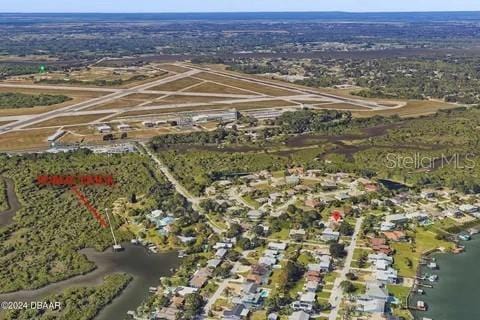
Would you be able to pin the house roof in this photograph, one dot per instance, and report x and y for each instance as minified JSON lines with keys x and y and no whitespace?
{"x":299,"y":315}
{"x":308,"y":297}
{"x":238,"y":310}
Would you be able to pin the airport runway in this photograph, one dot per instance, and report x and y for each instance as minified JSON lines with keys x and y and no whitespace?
{"x":114,"y":94}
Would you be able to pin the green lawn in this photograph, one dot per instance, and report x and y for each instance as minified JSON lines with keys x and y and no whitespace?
{"x":424,"y":241}
{"x":281,"y":235}
{"x":251,"y":202}
{"x":330,"y":277}
{"x":298,"y":287}
{"x":400,"y":292}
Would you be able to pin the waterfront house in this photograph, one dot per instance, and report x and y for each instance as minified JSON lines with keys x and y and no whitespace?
{"x":200,"y":277}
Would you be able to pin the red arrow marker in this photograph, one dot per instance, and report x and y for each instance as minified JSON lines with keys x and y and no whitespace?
{"x":83,"y":200}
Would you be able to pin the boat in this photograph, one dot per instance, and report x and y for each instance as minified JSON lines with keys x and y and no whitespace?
{"x":420,"y":291}
{"x":433,"y":278}
{"x":421,"y":305}
{"x":117,"y":248}
{"x":433,"y":265}
{"x":464,"y":237}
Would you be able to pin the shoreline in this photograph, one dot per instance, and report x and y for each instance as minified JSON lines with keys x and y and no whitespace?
{"x":133,"y":262}
{"x":424,"y":256}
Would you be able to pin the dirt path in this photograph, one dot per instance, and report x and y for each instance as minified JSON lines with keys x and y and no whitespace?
{"x":6,"y":217}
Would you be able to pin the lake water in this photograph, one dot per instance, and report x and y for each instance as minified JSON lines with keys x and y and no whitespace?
{"x":456,"y":295}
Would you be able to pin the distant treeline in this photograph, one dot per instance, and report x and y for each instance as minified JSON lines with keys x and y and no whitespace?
{"x":98,"y":82}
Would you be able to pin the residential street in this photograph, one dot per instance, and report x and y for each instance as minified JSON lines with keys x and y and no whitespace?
{"x":337,"y":292}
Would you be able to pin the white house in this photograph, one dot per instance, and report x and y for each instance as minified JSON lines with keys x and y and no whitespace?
{"x":329,"y":235}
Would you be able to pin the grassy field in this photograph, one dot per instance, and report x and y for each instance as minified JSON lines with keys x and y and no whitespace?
{"x":263,"y":104}
{"x":173,"y":68}
{"x":25,"y":139}
{"x":340,"y":106}
{"x":238,"y":106}
{"x":69,"y":120}
{"x":177,"y":84}
{"x":129,"y":101}
{"x":413,"y":108}
{"x":211,"y":87}
{"x":246,"y":85}
{"x":179,"y":99}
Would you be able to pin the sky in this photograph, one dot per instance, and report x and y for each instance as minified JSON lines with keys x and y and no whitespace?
{"x":235,"y":5}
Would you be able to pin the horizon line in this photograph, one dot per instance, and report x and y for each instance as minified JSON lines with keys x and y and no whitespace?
{"x":222,"y":12}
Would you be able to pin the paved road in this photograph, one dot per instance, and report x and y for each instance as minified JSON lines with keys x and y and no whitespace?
{"x":6,"y":216}
{"x":337,"y":292}
{"x":195,"y":201}
{"x":221,"y":288}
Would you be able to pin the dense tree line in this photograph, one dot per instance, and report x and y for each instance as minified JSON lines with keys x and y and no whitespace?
{"x":96,"y":82}
{"x":78,"y":303}
{"x":9,"y":69}
{"x":21,"y":100}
